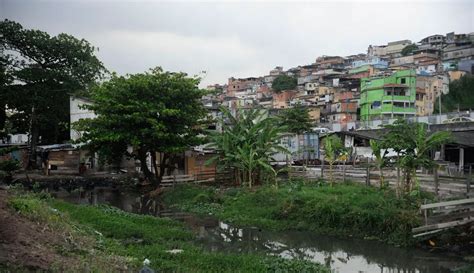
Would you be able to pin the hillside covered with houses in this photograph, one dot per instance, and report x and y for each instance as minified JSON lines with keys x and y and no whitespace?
{"x":400,"y":79}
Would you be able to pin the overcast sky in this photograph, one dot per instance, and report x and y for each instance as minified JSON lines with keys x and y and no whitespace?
{"x":239,"y":39}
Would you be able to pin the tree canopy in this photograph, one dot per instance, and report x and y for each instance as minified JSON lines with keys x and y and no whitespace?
{"x":413,"y":142}
{"x":408,"y":50}
{"x":296,"y":120}
{"x":39,"y":72}
{"x":460,"y":96}
{"x":155,"y":111}
{"x":284,"y":82}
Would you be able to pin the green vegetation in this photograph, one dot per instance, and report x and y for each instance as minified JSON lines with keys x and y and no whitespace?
{"x":412,"y":143}
{"x":154,"y":112}
{"x":39,"y":73}
{"x":247,"y":144}
{"x":408,"y":50}
{"x":295,"y":120}
{"x":467,"y":269}
{"x":459,"y":96}
{"x":7,"y":167}
{"x":333,"y":149}
{"x":344,"y":209}
{"x":131,"y":238}
{"x":284,"y":82}
{"x":380,"y":159}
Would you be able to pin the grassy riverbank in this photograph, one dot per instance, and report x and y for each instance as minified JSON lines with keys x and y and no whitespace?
{"x":345,"y":209}
{"x":105,"y":239}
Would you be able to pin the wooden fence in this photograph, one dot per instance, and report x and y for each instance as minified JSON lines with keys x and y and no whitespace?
{"x":443,"y":215}
{"x":210,"y":177}
{"x":437,"y":216}
{"x":443,"y":185}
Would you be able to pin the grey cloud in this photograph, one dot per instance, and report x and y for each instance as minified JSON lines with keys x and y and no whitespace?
{"x":236,"y":39}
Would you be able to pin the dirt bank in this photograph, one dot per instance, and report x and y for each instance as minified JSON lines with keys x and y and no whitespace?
{"x":25,"y":244}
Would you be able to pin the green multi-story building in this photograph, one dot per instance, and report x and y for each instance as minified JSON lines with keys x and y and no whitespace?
{"x":388,"y":97}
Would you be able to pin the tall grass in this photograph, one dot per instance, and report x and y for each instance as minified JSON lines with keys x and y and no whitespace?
{"x":345,"y":209}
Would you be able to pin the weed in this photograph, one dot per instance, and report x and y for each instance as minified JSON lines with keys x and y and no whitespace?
{"x":344,"y":209}
{"x":122,"y":240}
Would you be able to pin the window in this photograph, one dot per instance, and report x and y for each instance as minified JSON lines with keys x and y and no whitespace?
{"x":396,"y":92}
{"x":403,"y":80}
{"x":376,"y":105}
{"x":398,"y":104}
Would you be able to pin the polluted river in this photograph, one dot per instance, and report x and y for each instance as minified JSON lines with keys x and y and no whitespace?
{"x":340,"y":254}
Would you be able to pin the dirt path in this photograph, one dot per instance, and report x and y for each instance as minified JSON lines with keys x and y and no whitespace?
{"x":26,"y":244}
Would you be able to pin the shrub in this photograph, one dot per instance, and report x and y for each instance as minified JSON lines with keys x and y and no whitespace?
{"x":9,"y":166}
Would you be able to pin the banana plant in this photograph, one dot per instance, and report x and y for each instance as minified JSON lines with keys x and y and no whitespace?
{"x":413,"y":142}
{"x":380,"y":159}
{"x":333,"y":148}
{"x":247,"y":144}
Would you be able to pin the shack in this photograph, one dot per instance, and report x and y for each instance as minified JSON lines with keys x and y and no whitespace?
{"x":60,"y":158}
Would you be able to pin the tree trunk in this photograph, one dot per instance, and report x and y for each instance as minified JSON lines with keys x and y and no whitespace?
{"x":56,"y":132}
{"x":33,"y":138}
{"x":3,"y":116}
{"x":162,"y":166}
{"x":153,"y":163}
{"x":407,"y":181}
{"x":414,"y":180}
{"x":237,"y":177}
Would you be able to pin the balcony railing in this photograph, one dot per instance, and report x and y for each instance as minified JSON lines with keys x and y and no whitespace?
{"x":378,"y":123}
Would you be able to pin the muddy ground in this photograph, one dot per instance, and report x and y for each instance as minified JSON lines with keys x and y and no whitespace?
{"x":27,"y":245}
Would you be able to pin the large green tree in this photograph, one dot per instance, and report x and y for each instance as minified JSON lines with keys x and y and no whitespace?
{"x":5,"y":80}
{"x":44,"y":71}
{"x":284,"y":82}
{"x":156,"y":111}
{"x":296,"y":120}
{"x":460,"y":96}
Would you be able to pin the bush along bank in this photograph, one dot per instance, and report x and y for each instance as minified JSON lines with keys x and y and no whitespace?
{"x":343,"y":209}
{"x":130,"y":238}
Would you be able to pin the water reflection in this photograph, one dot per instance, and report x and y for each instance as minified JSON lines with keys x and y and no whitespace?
{"x":341,"y":255}
{"x":131,"y":201}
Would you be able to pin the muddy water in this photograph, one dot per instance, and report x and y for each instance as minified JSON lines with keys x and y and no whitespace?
{"x":340,"y":254}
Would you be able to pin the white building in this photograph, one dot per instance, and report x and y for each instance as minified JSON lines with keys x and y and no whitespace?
{"x":77,"y":113}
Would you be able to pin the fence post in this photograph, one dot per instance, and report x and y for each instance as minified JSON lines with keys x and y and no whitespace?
{"x":322,"y":169}
{"x":468,"y":180}
{"x":367,"y":179}
{"x":425,"y":213}
{"x":436,"y":180}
